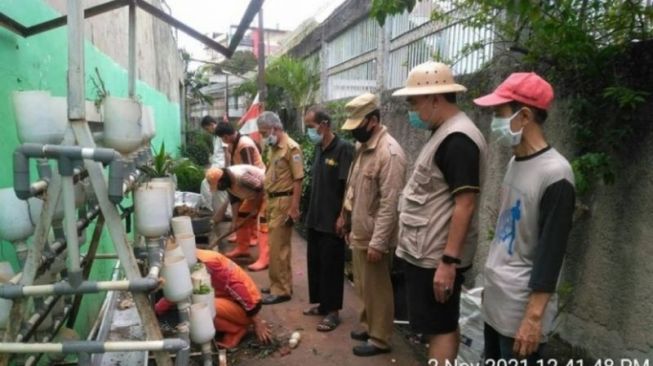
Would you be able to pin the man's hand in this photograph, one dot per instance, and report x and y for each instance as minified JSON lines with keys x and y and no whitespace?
{"x":527,"y":339}
{"x":443,"y":281}
{"x":373,"y":255}
{"x":294,"y":213}
{"x":340,"y":226}
{"x":262,"y":330}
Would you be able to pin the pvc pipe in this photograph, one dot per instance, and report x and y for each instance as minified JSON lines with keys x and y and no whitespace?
{"x":183,"y":331}
{"x":65,"y":155}
{"x":72,"y":239}
{"x":32,"y":360}
{"x":155,"y":257}
{"x":21,"y":252}
{"x":169,"y":345}
{"x":207,"y":354}
{"x":131,"y":70}
{"x":37,"y":318}
{"x":9,"y":291}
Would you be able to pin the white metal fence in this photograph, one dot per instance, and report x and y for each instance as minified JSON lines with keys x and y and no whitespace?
{"x":351,"y":82}
{"x":412,"y":38}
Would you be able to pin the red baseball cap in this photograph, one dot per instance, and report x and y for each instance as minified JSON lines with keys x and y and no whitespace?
{"x":524,"y":87}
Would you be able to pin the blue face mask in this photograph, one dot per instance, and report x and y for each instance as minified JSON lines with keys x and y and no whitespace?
{"x":313,"y":135}
{"x":416,"y":121}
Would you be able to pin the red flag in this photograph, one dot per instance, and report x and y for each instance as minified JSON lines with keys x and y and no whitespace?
{"x":247,"y":123}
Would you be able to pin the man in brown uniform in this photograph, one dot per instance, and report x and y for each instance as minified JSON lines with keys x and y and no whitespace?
{"x":243,"y":150}
{"x":283,"y":186}
{"x":374,"y":183}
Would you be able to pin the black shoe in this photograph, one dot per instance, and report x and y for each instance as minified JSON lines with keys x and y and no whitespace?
{"x":366,"y":350}
{"x":360,"y":335}
{"x":275,"y":299}
{"x":265,"y":290}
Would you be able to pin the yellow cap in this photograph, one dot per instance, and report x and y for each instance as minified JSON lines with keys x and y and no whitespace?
{"x":430,"y":78}
{"x":213,"y":176}
{"x":358,"y":108}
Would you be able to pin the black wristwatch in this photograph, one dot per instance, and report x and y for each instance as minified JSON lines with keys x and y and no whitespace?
{"x":447,"y":259}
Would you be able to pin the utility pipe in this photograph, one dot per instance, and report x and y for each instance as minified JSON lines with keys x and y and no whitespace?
{"x":40,"y":186}
{"x":145,"y":284}
{"x":66,"y":156}
{"x":183,"y":331}
{"x":154,"y":256}
{"x":131,"y":70}
{"x":37,"y":318}
{"x":207,"y":354}
{"x":169,"y":345}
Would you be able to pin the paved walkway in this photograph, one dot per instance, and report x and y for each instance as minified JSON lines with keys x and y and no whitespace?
{"x":316,"y":348}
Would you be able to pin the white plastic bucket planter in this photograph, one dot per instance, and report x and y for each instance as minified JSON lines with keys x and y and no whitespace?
{"x":187,"y":244}
{"x":182,"y":225}
{"x":177,"y":286}
{"x":169,"y":186}
{"x":122,"y":124}
{"x":40,"y":118}
{"x":200,"y":277}
{"x":15,"y":223}
{"x":151,"y":209}
{"x":148,"y":127}
{"x":208,"y":299}
{"x":201,"y":330}
{"x":173,"y":250}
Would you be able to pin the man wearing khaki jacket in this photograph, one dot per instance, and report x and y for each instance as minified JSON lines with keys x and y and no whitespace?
{"x":369,"y":220}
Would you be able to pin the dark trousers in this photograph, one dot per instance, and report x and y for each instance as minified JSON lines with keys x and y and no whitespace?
{"x":326,"y":270}
{"x":499,"y":347}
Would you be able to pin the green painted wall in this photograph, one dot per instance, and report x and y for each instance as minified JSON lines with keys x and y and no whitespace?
{"x":40,"y":62}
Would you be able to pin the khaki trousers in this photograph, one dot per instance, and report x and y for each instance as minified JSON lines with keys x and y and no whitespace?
{"x":373,"y":285}
{"x":280,"y":270}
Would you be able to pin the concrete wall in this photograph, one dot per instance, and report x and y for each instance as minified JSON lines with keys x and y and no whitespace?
{"x":40,"y":62}
{"x":610,"y":257}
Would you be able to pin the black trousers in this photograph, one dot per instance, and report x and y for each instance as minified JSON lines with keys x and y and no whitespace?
{"x":326,"y":270}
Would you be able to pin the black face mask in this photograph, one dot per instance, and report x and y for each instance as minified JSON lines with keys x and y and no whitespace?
{"x":361,"y":134}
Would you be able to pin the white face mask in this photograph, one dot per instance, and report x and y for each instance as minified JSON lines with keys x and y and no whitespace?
{"x":503,"y":134}
{"x":272,"y":139}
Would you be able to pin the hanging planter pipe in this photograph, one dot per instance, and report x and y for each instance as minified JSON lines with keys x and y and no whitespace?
{"x":183,"y":331}
{"x":169,"y":345}
{"x":66,"y":156}
{"x":86,"y":287}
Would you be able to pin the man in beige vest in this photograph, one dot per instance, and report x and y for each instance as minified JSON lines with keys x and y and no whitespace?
{"x":437,"y":210}
{"x":375,"y":180}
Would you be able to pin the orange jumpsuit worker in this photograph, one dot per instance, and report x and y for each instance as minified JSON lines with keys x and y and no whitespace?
{"x":237,"y":300}
{"x":243,"y":150}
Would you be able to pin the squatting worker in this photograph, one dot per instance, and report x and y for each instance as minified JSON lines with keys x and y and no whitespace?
{"x":438,"y":219}
{"x":283,"y":187}
{"x":237,"y":300}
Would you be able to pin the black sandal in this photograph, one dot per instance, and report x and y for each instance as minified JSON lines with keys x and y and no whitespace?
{"x":328,"y":323}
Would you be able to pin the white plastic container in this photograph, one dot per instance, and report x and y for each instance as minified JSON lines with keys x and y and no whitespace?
{"x":200,"y":277}
{"x":152,"y":218}
{"x":39,"y":117}
{"x":172,"y":250}
{"x":182,"y":225}
{"x":15,"y":223}
{"x":201,"y":330}
{"x":167,"y":184}
{"x":177,"y":286}
{"x":187,"y":244}
{"x":122,"y":124}
{"x":208,"y":299}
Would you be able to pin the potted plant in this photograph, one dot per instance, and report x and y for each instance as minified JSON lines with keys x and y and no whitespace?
{"x":160,"y":173}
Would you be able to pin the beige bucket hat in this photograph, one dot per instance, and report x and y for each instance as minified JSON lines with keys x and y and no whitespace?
{"x":430,"y":78}
{"x":358,"y":108}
